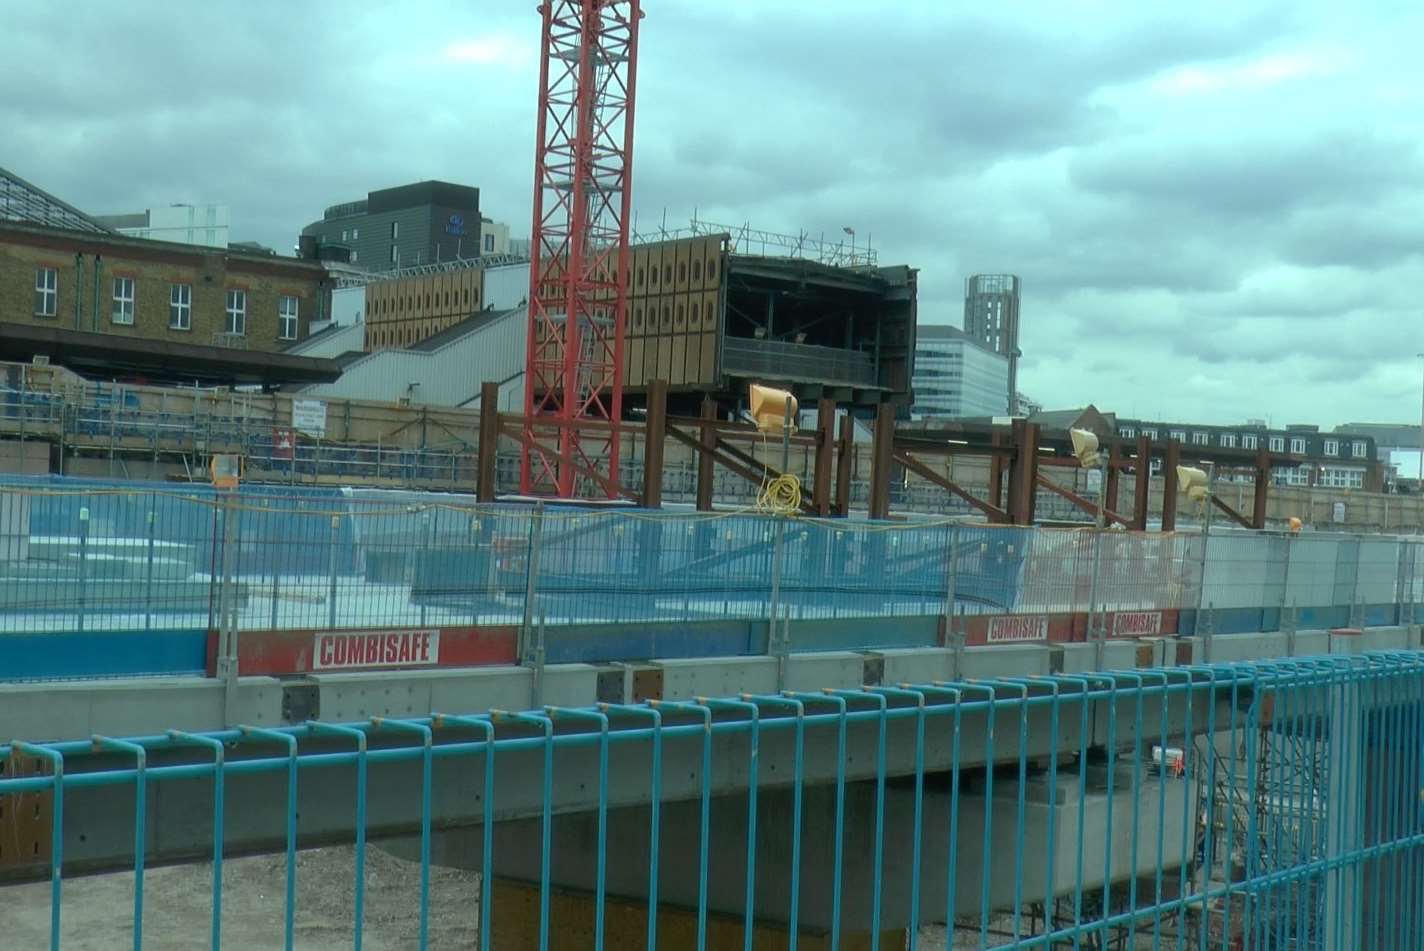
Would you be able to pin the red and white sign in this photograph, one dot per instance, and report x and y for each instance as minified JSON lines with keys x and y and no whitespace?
{"x":367,"y":649}
{"x":1017,"y":628}
{"x":1137,"y":623}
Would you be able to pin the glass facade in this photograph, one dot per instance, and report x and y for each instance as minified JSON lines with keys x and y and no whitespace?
{"x":954,"y":377}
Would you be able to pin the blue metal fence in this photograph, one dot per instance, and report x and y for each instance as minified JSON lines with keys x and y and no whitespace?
{"x":1263,"y":806}
{"x":96,"y":557}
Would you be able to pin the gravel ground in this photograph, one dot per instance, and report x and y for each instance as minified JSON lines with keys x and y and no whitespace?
{"x":98,"y":911}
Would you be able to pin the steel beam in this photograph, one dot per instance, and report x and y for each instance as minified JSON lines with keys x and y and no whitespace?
{"x":845,"y":462}
{"x":825,"y":448}
{"x":489,"y":442}
{"x":1169,"y":485}
{"x":882,"y":460}
{"x":1142,"y":487}
{"x":655,"y":444}
{"x":707,"y":445}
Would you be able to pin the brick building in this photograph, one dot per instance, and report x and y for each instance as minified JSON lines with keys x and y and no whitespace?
{"x":107,"y":283}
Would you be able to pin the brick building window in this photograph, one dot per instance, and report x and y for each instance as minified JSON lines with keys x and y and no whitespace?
{"x":46,"y":292}
{"x":1332,"y":447}
{"x":1201,"y":439}
{"x":1248,"y":441}
{"x":123,"y":312}
{"x":287,"y":310}
{"x":1358,"y":449}
{"x":236,"y":313}
{"x":1298,"y":447}
{"x":180,"y":307}
{"x":1228,"y":440}
{"x":1278,"y":444}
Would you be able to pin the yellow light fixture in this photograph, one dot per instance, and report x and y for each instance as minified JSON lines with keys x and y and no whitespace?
{"x":769,"y":408}
{"x":1085,"y":447}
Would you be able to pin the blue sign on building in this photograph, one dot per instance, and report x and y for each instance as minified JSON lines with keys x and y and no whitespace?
{"x":456,"y":225}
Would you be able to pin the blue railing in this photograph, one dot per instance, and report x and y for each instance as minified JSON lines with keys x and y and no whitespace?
{"x":1267,"y":806}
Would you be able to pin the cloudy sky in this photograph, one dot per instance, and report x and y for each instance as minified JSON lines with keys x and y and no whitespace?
{"x":1217,"y":208}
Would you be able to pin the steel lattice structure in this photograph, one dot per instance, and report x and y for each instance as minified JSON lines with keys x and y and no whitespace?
{"x":578,"y":283}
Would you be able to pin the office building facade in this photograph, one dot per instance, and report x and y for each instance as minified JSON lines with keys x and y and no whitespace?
{"x":408,"y":226}
{"x":956,"y":376}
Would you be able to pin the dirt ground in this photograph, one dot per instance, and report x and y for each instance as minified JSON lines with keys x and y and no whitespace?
{"x":98,"y":911}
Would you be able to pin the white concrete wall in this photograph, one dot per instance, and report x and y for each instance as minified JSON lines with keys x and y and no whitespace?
{"x":449,"y":376}
{"x":507,"y":286}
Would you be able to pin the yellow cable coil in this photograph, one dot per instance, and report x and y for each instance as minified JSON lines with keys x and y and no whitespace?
{"x":780,"y":496}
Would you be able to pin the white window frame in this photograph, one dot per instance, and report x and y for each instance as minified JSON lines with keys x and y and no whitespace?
{"x":1332,"y":447}
{"x":1278,"y":444}
{"x":353,"y":255}
{"x":1178,"y":434}
{"x":1297,"y":445}
{"x":355,"y":234}
{"x":1150,"y":433}
{"x":284,"y":332}
{"x":1359,"y":448}
{"x":1248,"y":441}
{"x":180,"y":307}
{"x":1201,"y":439}
{"x":123,"y":307}
{"x":1128,"y":432}
{"x":395,"y":254}
{"x":395,"y":230}
{"x":47,"y":291}
{"x":1228,"y":440}
{"x":235,"y":312}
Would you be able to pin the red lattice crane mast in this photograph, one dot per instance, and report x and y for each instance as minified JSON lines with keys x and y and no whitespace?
{"x":578,"y":285}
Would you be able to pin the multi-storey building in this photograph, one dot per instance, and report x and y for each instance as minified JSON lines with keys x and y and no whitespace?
{"x":425,"y":223}
{"x":1332,"y":460}
{"x":955,"y":376}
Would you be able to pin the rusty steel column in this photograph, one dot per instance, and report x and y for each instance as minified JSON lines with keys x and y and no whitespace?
{"x":705,"y":472}
{"x":845,"y":462}
{"x":1023,"y":476}
{"x":1169,"y":485}
{"x":1114,"y":477}
{"x":653,"y":451}
{"x":882,"y":460}
{"x":996,"y":474}
{"x":1263,"y":487}
{"x":1142,"y":488}
{"x":825,"y":445}
{"x":488,"y":450}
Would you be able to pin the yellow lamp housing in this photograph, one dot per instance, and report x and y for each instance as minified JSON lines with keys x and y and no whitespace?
{"x":1192,"y":482}
{"x":1085,"y":447}
{"x":769,"y":408}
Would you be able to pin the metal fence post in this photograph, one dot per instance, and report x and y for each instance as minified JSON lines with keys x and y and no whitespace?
{"x":148,"y":577}
{"x":80,"y":601}
{"x":331,"y":574}
{"x":1097,"y":630}
{"x":531,"y":580}
{"x":429,"y":543}
{"x":773,"y":645}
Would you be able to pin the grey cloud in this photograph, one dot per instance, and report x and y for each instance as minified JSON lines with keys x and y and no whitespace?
{"x":1255,"y":175}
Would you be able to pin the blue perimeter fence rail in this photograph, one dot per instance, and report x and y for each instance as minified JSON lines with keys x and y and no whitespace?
{"x":165,"y":564}
{"x":1270,"y":805}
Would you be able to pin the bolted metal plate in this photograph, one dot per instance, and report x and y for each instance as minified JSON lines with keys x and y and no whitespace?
{"x":301,"y":702}
{"x":26,"y":820}
{"x":610,"y":684}
{"x":647,"y":684}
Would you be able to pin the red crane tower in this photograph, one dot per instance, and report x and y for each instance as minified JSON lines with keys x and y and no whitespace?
{"x":578,"y":283}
